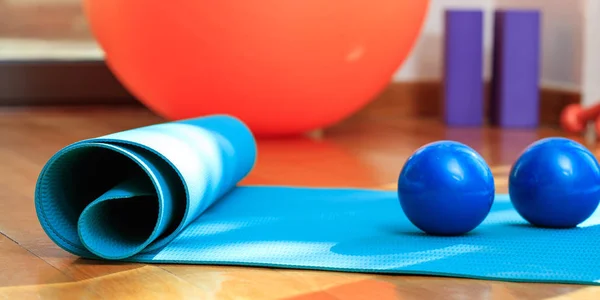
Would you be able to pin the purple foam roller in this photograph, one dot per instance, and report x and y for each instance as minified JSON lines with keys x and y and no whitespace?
{"x":516,"y":63}
{"x":463,"y":68}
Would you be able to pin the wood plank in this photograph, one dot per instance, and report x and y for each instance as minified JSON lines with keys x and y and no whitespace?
{"x":259,"y":283}
{"x":581,"y":294}
{"x":363,"y":289}
{"x":305,"y":161}
{"x":21,"y":267}
{"x":145,"y":283}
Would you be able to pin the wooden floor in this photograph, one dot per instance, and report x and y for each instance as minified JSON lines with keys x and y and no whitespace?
{"x":362,"y":152}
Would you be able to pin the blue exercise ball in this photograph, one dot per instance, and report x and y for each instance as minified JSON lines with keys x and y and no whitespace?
{"x":555,"y":183}
{"x":446,"y":188}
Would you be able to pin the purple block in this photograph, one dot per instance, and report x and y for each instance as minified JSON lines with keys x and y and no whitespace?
{"x":516,"y":63}
{"x":463,"y":68}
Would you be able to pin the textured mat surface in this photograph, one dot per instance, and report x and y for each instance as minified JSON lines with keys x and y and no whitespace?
{"x":168,"y":193}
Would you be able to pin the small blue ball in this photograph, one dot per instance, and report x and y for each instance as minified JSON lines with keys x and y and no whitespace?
{"x":555,"y":183}
{"x":446,"y":188}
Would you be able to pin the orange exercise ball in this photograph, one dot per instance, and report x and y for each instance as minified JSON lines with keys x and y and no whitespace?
{"x":282,"y":67}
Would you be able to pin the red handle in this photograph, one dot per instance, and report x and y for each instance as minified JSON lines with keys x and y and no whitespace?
{"x":588,"y":114}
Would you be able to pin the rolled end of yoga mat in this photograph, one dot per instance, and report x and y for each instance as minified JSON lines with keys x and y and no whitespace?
{"x":115,"y":196}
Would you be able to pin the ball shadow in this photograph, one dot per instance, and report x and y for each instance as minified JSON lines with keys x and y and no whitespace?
{"x":397,"y":240}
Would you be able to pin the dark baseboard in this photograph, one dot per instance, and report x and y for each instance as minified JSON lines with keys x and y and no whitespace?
{"x":75,"y":83}
{"x":43,"y":83}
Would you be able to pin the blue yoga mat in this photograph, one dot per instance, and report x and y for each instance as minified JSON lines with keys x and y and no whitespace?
{"x":169,"y":193}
